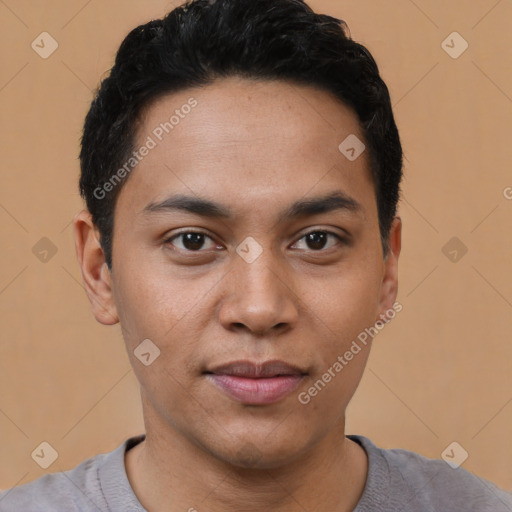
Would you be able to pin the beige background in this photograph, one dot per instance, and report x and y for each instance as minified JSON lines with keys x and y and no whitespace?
{"x":440,"y":372}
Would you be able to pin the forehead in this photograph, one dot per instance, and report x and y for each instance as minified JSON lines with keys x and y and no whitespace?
{"x":240,"y":110}
{"x":247,"y":141}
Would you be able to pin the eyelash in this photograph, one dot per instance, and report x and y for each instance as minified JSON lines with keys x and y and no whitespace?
{"x":169,"y":240}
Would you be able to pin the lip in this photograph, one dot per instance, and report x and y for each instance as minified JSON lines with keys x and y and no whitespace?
{"x":256,"y":383}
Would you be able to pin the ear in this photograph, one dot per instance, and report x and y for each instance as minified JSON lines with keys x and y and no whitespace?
{"x":389,"y":286}
{"x":95,"y":273}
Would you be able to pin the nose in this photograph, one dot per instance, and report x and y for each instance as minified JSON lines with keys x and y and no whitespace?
{"x":258,"y":297}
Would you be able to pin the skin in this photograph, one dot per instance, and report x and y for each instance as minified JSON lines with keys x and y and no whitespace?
{"x":254,"y":147}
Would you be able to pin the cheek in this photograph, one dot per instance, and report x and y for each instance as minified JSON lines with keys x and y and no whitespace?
{"x":343,"y":308}
{"x":153,"y":304}
{"x":347,"y":301}
{"x":347,"y":307}
{"x":173,"y":313}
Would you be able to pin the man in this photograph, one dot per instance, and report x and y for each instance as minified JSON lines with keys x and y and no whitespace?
{"x":241,"y":170}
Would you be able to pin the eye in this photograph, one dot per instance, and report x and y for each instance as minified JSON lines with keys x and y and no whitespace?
{"x":192,"y":241}
{"x":198,"y":241}
{"x":317,"y":240}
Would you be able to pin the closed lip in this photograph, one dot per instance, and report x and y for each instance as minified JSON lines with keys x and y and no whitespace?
{"x":254,"y":383}
{"x":257,"y":370}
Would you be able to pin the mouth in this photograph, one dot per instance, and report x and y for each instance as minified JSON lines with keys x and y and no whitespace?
{"x":254,"y":383}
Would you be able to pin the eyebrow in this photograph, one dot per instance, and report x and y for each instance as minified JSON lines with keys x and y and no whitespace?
{"x":303,"y":207}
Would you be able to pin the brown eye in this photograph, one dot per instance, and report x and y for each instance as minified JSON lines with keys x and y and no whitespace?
{"x":317,"y":240}
{"x":191,"y":241}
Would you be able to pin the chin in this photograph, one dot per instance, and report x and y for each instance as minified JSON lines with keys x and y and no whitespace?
{"x":262,"y":454}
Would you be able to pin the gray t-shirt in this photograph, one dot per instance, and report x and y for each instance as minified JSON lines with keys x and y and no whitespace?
{"x":398,"y":480}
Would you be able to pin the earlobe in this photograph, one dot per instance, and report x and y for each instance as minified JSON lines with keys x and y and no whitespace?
{"x":95,"y":273}
{"x":389,"y":287}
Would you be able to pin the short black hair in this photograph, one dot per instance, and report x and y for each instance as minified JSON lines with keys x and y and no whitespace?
{"x":203,"y":40}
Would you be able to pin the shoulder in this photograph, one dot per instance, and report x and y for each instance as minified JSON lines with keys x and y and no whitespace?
{"x":77,"y":489}
{"x":413,"y":482}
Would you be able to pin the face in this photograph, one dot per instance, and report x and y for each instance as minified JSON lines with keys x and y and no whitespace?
{"x":244,"y":236}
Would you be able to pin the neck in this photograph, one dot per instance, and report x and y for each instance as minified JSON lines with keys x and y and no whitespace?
{"x":169,"y":472}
